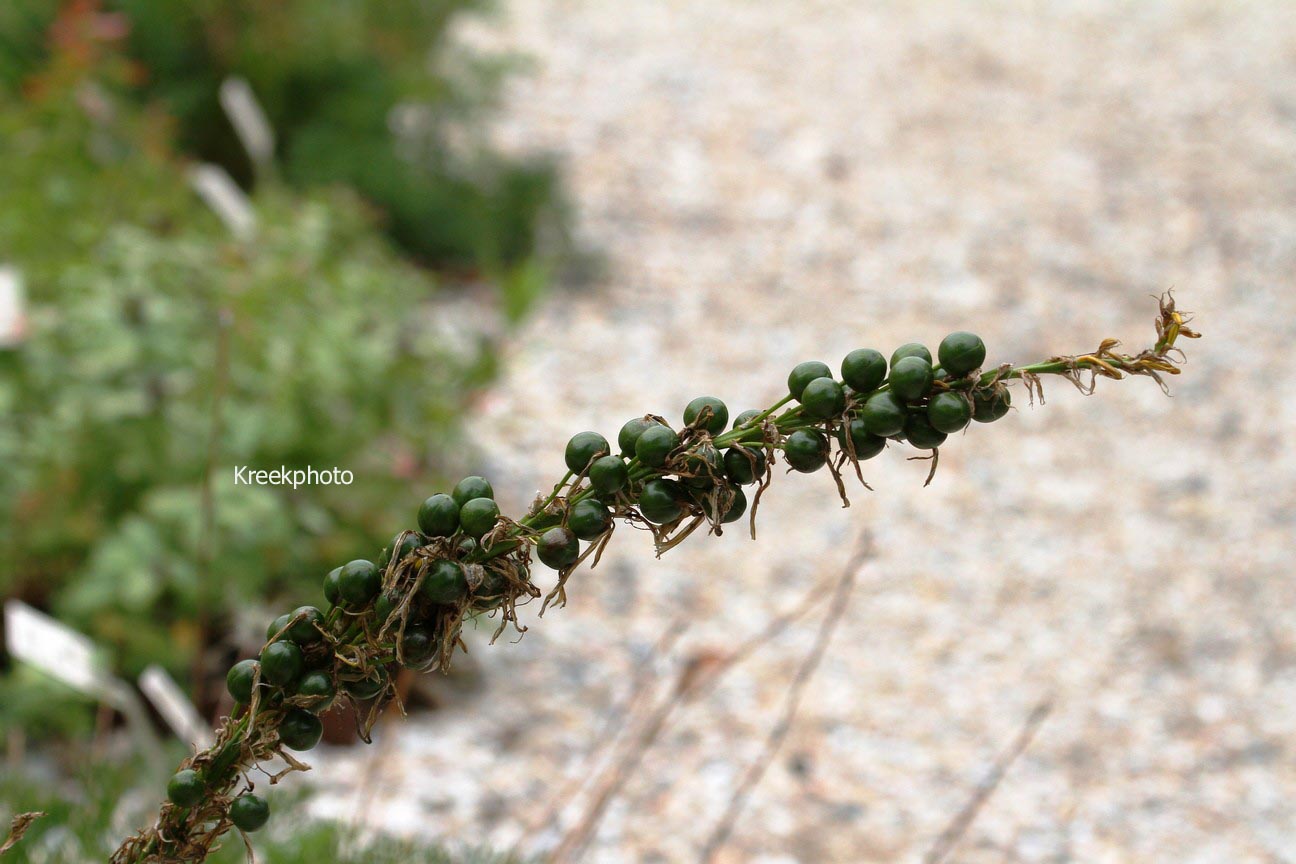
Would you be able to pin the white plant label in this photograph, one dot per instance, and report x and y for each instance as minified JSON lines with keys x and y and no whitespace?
{"x":56,"y":650}
{"x":248,"y":119}
{"x":13,"y":319}
{"x":175,"y":708}
{"x":224,"y":196}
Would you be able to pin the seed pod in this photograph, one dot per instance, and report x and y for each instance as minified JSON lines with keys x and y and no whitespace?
{"x":471,"y":487}
{"x":299,"y":730}
{"x":558,"y":548}
{"x":439,"y":516}
{"x":806,"y":450}
{"x":584,"y":448}
{"x":655,"y":444}
{"x":718,"y":419}
{"x":249,"y":812}
{"x":864,"y":370}
{"x":186,"y":788}
{"x":803,"y":373}
{"x":238,"y":681}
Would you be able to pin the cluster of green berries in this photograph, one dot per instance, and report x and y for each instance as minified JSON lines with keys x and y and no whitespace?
{"x":248,"y":812}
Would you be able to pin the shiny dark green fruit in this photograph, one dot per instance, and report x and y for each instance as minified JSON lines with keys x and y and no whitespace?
{"x":478,"y":516}
{"x":911,"y":349}
{"x":823,"y":398}
{"x":949,"y":412}
{"x":238,"y":681}
{"x":655,"y":444}
{"x":249,"y":812}
{"x":318,"y":687}
{"x":332,"y":590}
{"x":717,"y":419}
{"x":439,"y":516}
{"x":368,"y":687}
{"x":990,"y":404}
{"x":299,"y":730}
{"x":404,"y":544}
{"x":961,"y":353}
{"x":584,"y":448}
{"x":359,"y":581}
{"x":608,"y":474}
{"x":558,"y":548}
{"x":803,"y":373}
{"x":918,"y":431}
{"x":630,"y":432}
{"x":744,"y":464}
{"x":806,"y":450}
{"x":305,"y":627}
{"x":883,"y":415}
{"x":281,"y":663}
{"x":186,"y":788}
{"x":865,"y":444}
{"x":445,"y":581}
{"x":418,"y":645}
{"x":863,"y":370}
{"x":471,"y":487}
{"x":742,"y":419}
{"x":911,"y":378}
{"x":277,"y":625}
{"x":737,"y":506}
{"x":703,"y":465}
{"x":659,"y":501}
{"x":589,"y":519}
{"x":384,"y":606}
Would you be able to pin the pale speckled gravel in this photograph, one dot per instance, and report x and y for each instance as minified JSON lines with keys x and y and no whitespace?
{"x":782,"y":180}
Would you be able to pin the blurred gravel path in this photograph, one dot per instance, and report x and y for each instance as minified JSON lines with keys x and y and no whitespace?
{"x":782,"y":180}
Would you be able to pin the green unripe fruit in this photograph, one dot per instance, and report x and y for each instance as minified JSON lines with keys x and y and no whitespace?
{"x":609,"y":474}
{"x":989,"y":405}
{"x":299,"y":730}
{"x":404,"y":544}
{"x":806,"y":450}
{"x":630,"y":432}
{"x":439,"y":516}
{"x":238,"y":681}
{"x":949,"y":412}
{"x":703,"y":465}
{"x":659,"y":501}
{"x":558,"y":548}
{"x":332,"y":588}
{"x":249,"y":812}
{"x":737,"y":507}
{"x":359,"y":582}
{"x":478,"y":516}
{"x":368,"y":687}
{"x":865,"y":444}
{"x":277,"y":625}
{"x":961,"y":353}
{"x":911,"y":378}
{"x":918,"y":431}
{"x":445,"y":581}
{"x":911,"y":349}
{"x":318,"y":687}
{"x":803,"y":373}
{"x":418,"y":645}
{"x":185,"y":788}
{"x":716,"y":421}
{"x":864,"y":370}
{"x":744,"y":464}
{"x":823,"y":398}
{"x":655,"y":444}
{"x":883,"y":415}
{"x":281,"y":663}
{"x":584,"y":448}
{"x":589,"y":519}
{"x":742,"y":419}
{"x":471,"y":487}
{"x":305,"y":628}
{"x":383,"y":607}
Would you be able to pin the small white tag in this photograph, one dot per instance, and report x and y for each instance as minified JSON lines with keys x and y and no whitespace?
{"x":13,"y":318}
{"x":249,"y":121}
{"x":224,"y":196}
{"x":56,"y":650}
{"x":175,"y":707}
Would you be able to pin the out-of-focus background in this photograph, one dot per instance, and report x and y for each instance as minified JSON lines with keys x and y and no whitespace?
{"x":484,"y":230}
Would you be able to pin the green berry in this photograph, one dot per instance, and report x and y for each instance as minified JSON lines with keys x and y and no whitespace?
{"x":418,"y":645}
{"x":806,"y":450}
{"x":989,"y":405}
{"x":803,"y":374}
{"x":911,"y":349}
{"x":238,"y":681}
{"x":823,"y":398}
{"x":445,"y":581}
{"x":911,"y":378}
{"x":737,"y":506}
{"x":918,"y":431}
{"x":558,"y":548}
{"x":277,"y":625}
{"x":439,"y":516}
{"x":405,"y":543}
{"x":304,"y":629}
{"x":865,"y":444}
{"x":863,"y":370}
{"x":300,"y":730}
{"x":630,"y":432}
{"x":383,"y":607}
{"x":949,"y":412}
{"x":318,"y":687}
{"x":479,"y":516}
{"x":961,"y":353}
{"x":471,"y":487}
{"x":702,"y":467}
{"x":186,"y":788}
{"x":655,"y":444}
{"x":744,"y":464}
{"x":359,"y":581}
{"x":332,"y":589}
{"x":281,"y":663}
{"x":249,"y":812}
{"x":584,"y":448}
{"x":883,"y":415}
{"x":743,"y":418}
{"x":589,"y":519}
{"x":608,"y":474}
{"x":659,"y":501}
{"x":716,"y":421}
{"x":369,"y":686}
